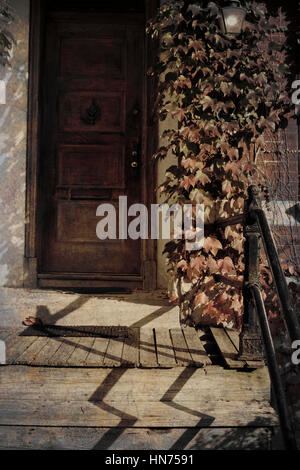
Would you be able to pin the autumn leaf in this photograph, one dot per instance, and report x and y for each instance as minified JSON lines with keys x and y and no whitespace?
{"x":201,"y":299}
{"x":183,"y":81}
{"x":226,"y":265}
{"x":188,"y":181}
{"x":212,"y":265}
{"x":162,"y":153}
{"x":179,"y":113}
{"x":198,"y":262}
{"x":237,"y":304}
{"x":226,"y":88}
{"x":202,"y":177}
{"x":189,"y":164}
{"x":289,"y":269}
{"x":233,"y":153}
{"x":207,"y":102}
{"x":239,"y":203}
{"x":229,"y":233}
{"x":233,"y":168}
{"x":226,"y":187}
{"x":211,"y":244}
{"x":210,"y":309}
{"x":238,"y":244}
{"x":182,"y":265}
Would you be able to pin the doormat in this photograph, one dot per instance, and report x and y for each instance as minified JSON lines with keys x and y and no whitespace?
{"x":55,"y":331}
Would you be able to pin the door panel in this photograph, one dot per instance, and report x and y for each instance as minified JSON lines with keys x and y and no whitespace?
{"x":92,"y":122}
{"x":82,"y":165}
{"x":101,"y":56}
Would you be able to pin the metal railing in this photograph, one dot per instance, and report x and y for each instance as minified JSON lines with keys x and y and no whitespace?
{"x":256,"y":335}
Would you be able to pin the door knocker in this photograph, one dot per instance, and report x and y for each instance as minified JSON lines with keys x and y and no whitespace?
{"x":92,"y":114}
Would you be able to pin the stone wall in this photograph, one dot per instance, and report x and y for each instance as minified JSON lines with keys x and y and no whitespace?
{"x":13,"y":133}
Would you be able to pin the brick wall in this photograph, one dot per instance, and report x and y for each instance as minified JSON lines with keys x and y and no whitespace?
{"x":280,"y":163}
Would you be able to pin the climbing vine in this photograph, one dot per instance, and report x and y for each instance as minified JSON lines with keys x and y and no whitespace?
{"x":6,"y":38}
{"x":223,"y":94}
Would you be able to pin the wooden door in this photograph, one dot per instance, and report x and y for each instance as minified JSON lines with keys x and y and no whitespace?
{"x":92,"y":131}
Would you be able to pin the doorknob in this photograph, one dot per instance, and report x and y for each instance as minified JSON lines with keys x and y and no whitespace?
{"x":134,"y":163}
{"x":134,"y":157}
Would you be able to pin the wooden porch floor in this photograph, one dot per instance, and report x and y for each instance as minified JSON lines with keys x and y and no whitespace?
{"x":131,"y":408}
{"x":157,"y":389}
{"x":144,"y":348}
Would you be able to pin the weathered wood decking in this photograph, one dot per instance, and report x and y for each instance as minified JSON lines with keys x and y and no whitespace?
{"x":145,"y":348}
{"x":158,"y":388}
{"x":173,"y":439}
{"x":179,"y":397}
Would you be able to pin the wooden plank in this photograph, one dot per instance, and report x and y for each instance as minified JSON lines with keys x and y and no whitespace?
{"x":113,"y":355}
{"x":48,"y":351}
{"x":182,"y":353}
{"x":85,"y":438}
{"x":19,"y":382}
{"x":16,"y":345}
{"x":234,"y":337}
{"x":29,"y":355}
{"x":79,"y":355}
{"x":196,"y":347}
{"x":129,"y":413}
{"x":227,"y":349}
{"x":96,"y":355}
{"x":165,"y":350}
{"x":130,"y":357}
{"x":63,"y":353}
{"x":147,"y":348}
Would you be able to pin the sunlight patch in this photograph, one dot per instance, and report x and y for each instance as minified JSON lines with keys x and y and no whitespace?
{"x":2,"y":92}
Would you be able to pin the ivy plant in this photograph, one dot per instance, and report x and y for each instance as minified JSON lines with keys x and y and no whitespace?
{"x":223,"y":92}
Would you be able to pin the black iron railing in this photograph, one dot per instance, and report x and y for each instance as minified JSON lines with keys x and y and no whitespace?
{"x":256,"y":337}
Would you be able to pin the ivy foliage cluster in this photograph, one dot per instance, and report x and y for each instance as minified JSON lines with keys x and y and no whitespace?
{"x":223,"y":92}
{"x":6,"y":38}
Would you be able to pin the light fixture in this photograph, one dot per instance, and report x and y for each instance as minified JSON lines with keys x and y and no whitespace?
{"x":232,"y":18}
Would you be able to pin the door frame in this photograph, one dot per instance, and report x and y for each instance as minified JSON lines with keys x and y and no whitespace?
{"x":150,"y":133}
